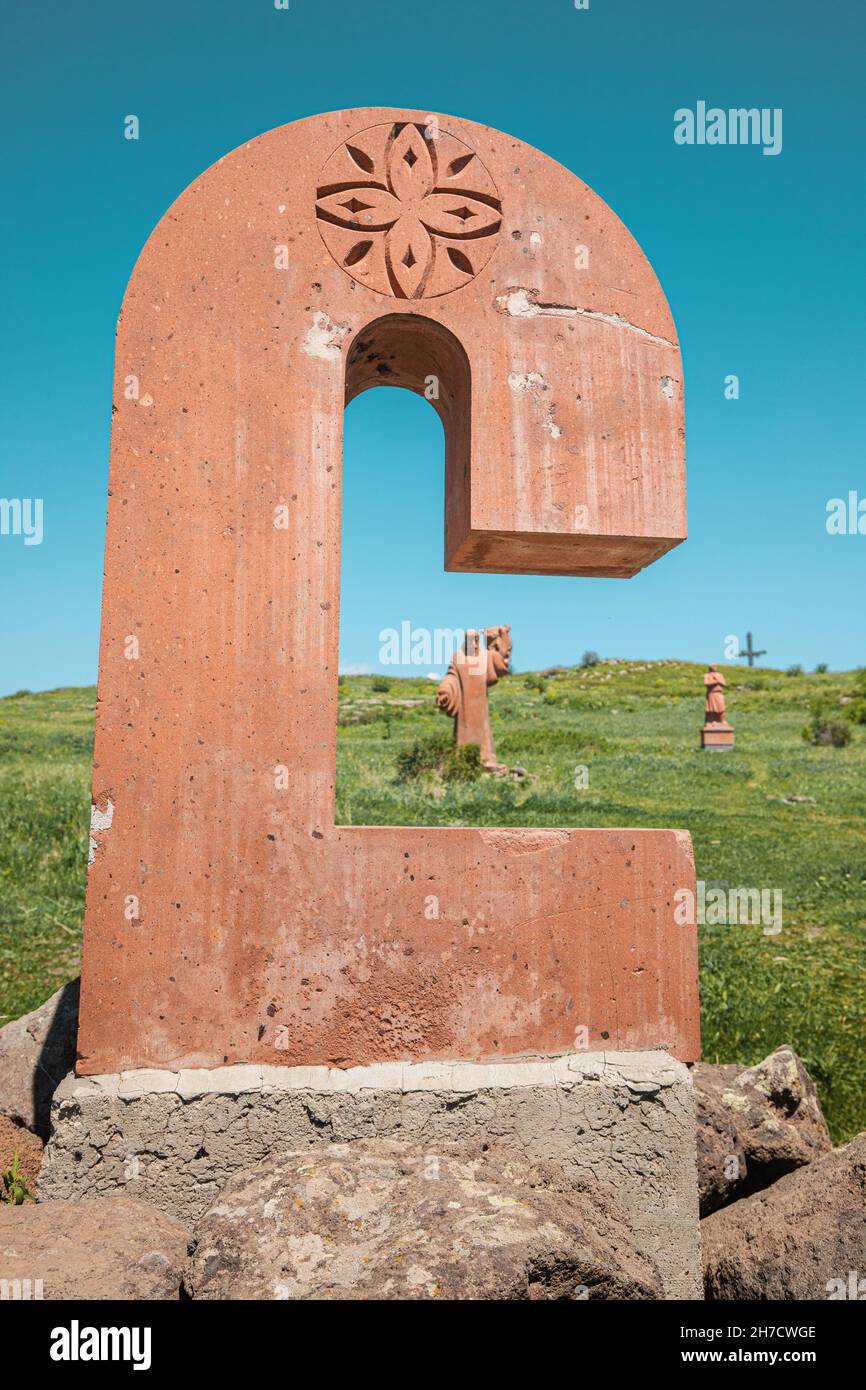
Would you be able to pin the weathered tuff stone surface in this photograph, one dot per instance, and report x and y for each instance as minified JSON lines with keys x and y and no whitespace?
{"x":36,"y":1052}
{"x":795,"y":1238}
{"x":380,"y":1220}
{"x":754,"y":1125}
{"x":109,"y":1247}
{"x":331,"y":954}
{"x":622,"y":1122}
{"x":16,"y":1138}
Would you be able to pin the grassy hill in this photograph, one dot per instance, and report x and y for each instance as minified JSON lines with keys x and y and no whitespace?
{"x":777,"y":813}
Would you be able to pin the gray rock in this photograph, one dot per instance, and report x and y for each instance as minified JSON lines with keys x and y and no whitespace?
{"x":36,"y":1052}
{"x":754,"y":1125}
{"x":102,"y":1248}
{"x":623,"y":1121}
{"x":378,"y":1219}
{"x":800,"y":1238}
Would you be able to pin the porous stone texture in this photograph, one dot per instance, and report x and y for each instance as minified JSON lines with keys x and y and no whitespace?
{"x":800,"y":1238}
{"x":621,"y":1122}
{"x":36,"y":1052}
{"x":16,"y":1138}
{"x":107,"y":1248}
{"x":228,"y":916}
{"x":754,"y":1125}
{"x":379,"y":1219}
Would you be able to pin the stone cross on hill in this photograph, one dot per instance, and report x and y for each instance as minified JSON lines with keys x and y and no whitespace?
{"x":749,"y":652}
{"x":229,"y":917}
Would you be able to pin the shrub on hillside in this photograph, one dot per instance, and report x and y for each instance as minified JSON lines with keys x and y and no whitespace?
{"x":463,"y":764}
{"x":440,"y":756}
{"x":380,"y":684}
{"x":590,"y":659}
{"x":794,"y":671}
{"x":826,"y":729}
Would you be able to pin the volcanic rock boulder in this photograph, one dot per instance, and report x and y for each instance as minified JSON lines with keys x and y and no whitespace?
{"x":754,"y":1125}
{"x":800,"y":1238}
{"x":379,"y":1220}
{"x":100,"y":1248}
{"x":36,"y":1052}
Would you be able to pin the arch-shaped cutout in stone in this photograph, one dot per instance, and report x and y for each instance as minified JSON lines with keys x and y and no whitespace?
{"x":416,"y":352}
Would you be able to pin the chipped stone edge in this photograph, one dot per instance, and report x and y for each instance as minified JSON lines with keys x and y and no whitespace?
{"x":640,"y":1073}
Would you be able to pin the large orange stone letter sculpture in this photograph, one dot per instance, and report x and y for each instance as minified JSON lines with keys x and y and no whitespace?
{"x":228,"y":917}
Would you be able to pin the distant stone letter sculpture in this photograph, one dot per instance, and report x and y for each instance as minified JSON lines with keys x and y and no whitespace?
{"x":229,"y":917}
{"x":462,"y":693}
{"x":717,"y":732}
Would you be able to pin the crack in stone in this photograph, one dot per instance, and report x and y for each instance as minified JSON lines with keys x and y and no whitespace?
{"x":525,"y":304}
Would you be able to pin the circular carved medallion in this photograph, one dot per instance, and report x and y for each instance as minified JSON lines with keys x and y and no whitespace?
{"x":408,"y":210}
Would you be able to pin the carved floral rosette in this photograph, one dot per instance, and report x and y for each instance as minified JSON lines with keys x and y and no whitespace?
{"x":408,"y":210}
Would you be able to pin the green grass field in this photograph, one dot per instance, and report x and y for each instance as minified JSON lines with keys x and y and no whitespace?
{"x":634,"y":726}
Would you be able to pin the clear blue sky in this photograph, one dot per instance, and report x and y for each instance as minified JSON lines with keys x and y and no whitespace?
{"x":761,"y":259}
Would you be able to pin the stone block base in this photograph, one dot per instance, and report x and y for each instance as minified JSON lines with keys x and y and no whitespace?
{"x":624,"y":1120}
{"x":718,"y":737}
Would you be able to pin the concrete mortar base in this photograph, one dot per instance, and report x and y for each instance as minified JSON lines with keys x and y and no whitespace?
{"x":624,"y":1120}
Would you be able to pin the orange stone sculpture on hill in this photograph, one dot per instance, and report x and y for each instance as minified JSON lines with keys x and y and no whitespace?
{"x":229,"y":918}
{"x":717,"y":732}
{"x":462,"y":694}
